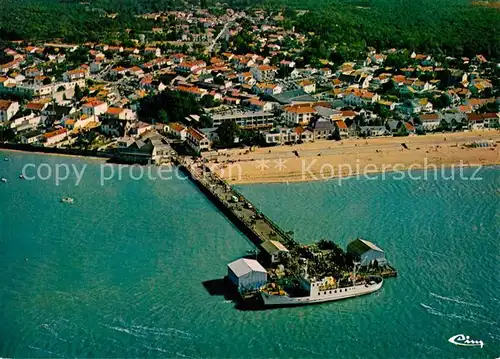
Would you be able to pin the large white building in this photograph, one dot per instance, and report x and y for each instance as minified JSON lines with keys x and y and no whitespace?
{"x":298,"y":114}
{"x":248,"y":119}
{"x":264,"y":73}
{"x":40,"y":90}
{"x":280,"y":136}
{"x":430,"y":121}
{"x":246,"y":274}
{"x":197,"y":140}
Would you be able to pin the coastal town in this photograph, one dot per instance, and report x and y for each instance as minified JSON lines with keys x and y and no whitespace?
{"x":249,"y":178}
{"x":191,"y":79}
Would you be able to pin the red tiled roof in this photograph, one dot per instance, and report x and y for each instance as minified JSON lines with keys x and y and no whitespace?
{"x":490,"y":115}
{"x":341,"y":124}
{"x":429,"y":117}
{"x":5,"y":104}
{"x":348,"y":113}
{"x":409,"y":126}
{"x":114,"y":110}
{"x":54,"y":133}
{"x":94,"y":103}
{"x":300,"y":109}
{"x":266,"y":68}
{"x":35,"y":106}
{"x":475,"y":117}
{"x":197,"y":135}
{"x":176,"y":127}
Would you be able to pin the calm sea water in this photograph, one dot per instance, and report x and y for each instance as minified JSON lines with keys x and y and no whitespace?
{"x":120,"y":272}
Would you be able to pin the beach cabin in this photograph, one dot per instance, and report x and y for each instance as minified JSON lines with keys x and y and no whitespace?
{"x":366,"y":252}
{"x":246,"y":274}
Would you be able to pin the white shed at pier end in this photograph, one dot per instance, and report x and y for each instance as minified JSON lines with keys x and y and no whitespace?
{"x":246,"y":274}
{"x":366,"y":252}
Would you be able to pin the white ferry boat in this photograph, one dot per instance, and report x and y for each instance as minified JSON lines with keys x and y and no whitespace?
{"x":319,"y":291}
{"x":318,"y":294}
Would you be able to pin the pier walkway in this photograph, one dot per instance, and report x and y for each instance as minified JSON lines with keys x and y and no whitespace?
{"x":257,"y":226}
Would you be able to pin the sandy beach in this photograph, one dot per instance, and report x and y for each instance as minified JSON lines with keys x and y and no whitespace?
{"x":323,"y":160}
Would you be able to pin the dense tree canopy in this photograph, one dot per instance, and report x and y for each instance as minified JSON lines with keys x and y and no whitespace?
{"x":342,"y":29}
{"x":168,"y":106}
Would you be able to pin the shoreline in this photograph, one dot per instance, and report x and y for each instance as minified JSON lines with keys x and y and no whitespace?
{"x":352,"y":157}
{"x":295,"y":180}
{"x":93,"y":158}
{"x":55,"y":151}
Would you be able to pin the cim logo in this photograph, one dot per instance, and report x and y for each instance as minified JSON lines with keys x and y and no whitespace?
{"x":465,"y":341}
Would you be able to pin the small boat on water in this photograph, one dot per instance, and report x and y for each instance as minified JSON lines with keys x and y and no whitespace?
{"x":4,"y":180}
{"x":6,"y":158}
{"x":67,"y":200}
{"x":21,"y":176}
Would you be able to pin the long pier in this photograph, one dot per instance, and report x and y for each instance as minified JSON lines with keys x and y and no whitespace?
{"x":252,"y":222}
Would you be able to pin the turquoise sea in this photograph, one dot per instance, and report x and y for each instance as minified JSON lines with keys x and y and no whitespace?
{"x":119,"y":273}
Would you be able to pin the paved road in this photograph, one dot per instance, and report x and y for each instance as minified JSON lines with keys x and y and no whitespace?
{"x":223,"y":31}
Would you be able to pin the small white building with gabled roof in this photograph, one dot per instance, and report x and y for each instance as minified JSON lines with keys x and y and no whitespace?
{"x":366,"y":252}
{"x":246,"y":274}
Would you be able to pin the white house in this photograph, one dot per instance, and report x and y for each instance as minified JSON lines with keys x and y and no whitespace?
{"x":298,"y":114}
{"x":491,"y":120}
{"x":191,"y":66}
{"x":389,"y":105}
{"x":268,"y":88}
{"x":246,"y":274}
{"x":307,"y":85}
{"x":263,"y":73}
{"x":53,"y":137}
{"x":430,"y":121}
{"x":281,"y":136}
{"x":156,"y":51}
{"x":342,"y":128}
{"x":73,"y":75}
{"x":121,"y":113}
{"x":95,"y":108}
{"x":177,"y":130}
{"x":260,"y":105}
{"x":8,"y":109}
{"x":361,"y":98}
{"x":31,"y":137}
{"x":476,"y":121}
{"x":119,"y":70}
{"x":197,"y":140}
